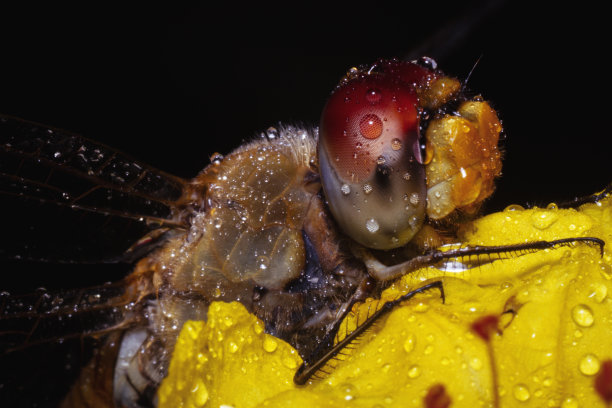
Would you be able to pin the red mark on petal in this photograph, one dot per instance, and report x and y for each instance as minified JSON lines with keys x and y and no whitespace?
{"x":437,"y":397}
{"x":603,"y":381}
{"x":486,"y":326}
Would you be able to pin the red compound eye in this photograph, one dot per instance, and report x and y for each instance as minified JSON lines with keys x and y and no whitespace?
{"x":374,"y":184}
{"x":362,"y":117}
{"x":408,"y":72}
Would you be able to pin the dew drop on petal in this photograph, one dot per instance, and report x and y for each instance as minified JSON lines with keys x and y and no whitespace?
{"x":543,"y":219}
{"x":290,"y":363}
{"x":514,"y":207}
{"x":589,"y":364}
{"x":345,"y":189}
{"x":257,"y":328}
{"x":410,"y":343}
{"x":599,"y":291}
{"x":569,"y":402}
{"x":199,"y":393}
{"x":414,"y":371}
{"x":582,"y":315}
{"x":367,"y":188}
{"x":270,"y":344}
{"x":521,"y":392}
{"x":476,"y":363}
{"x":348,"y":390}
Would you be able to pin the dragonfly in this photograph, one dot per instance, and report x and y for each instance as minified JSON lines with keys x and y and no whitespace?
{"x":297,"y":225}
{"x":142,"y":246}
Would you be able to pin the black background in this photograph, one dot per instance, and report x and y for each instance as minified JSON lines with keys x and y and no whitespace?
{"x":171,"y":86}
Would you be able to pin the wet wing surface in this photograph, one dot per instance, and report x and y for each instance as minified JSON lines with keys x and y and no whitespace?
{"x":64,"y":182}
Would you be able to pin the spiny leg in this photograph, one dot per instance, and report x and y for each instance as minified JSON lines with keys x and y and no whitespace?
{"x":307,"y":369}
{"x":384,"y":273}
{"x":593,"y":198}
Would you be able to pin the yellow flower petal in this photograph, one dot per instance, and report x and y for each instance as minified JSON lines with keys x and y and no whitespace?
{"x":552,"y":341}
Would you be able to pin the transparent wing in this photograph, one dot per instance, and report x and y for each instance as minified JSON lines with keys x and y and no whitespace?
{"x":69,"y":198}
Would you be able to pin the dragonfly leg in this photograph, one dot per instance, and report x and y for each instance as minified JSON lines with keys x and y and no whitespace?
{"x":321,"y":357}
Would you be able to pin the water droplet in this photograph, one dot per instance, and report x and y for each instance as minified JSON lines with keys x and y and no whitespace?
{"x":216,"y":158}
{"x":367,"y":188}
{"x":232,"y":347}
{"x":410,"y":343}
{"x":428,"y":350}
{"x":476,"y":363}
{"x":352,"y":72}
{"x":345,"y":189}
{"x":372,"y":225}
{"x":270,"y":344}
{"x":380,"y":160}
{"x":396,"y":144}
{"x":543,"y":219}
{"x":406,"y":176}
{"x":552,"y":206}
{"x":290,"y":363}
{"x":514,"y":207}
{"x":582,"y":315}
{"x":599,"y":291}
{"x":569,"y":402}
{"x":272,"y":132}
{"x":263,"y":262}
{"x":421,"y":307}
{"x":414,"y":199}
{"x":414,"y":371}
{"x":370,"y":126}
{"x":199,"y":393}
{"x":589,"y":364}
{"x":606,"y":271}
{"x":348,"y":390}
{"x":521,"y":392}
{"x":373,"y":96}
